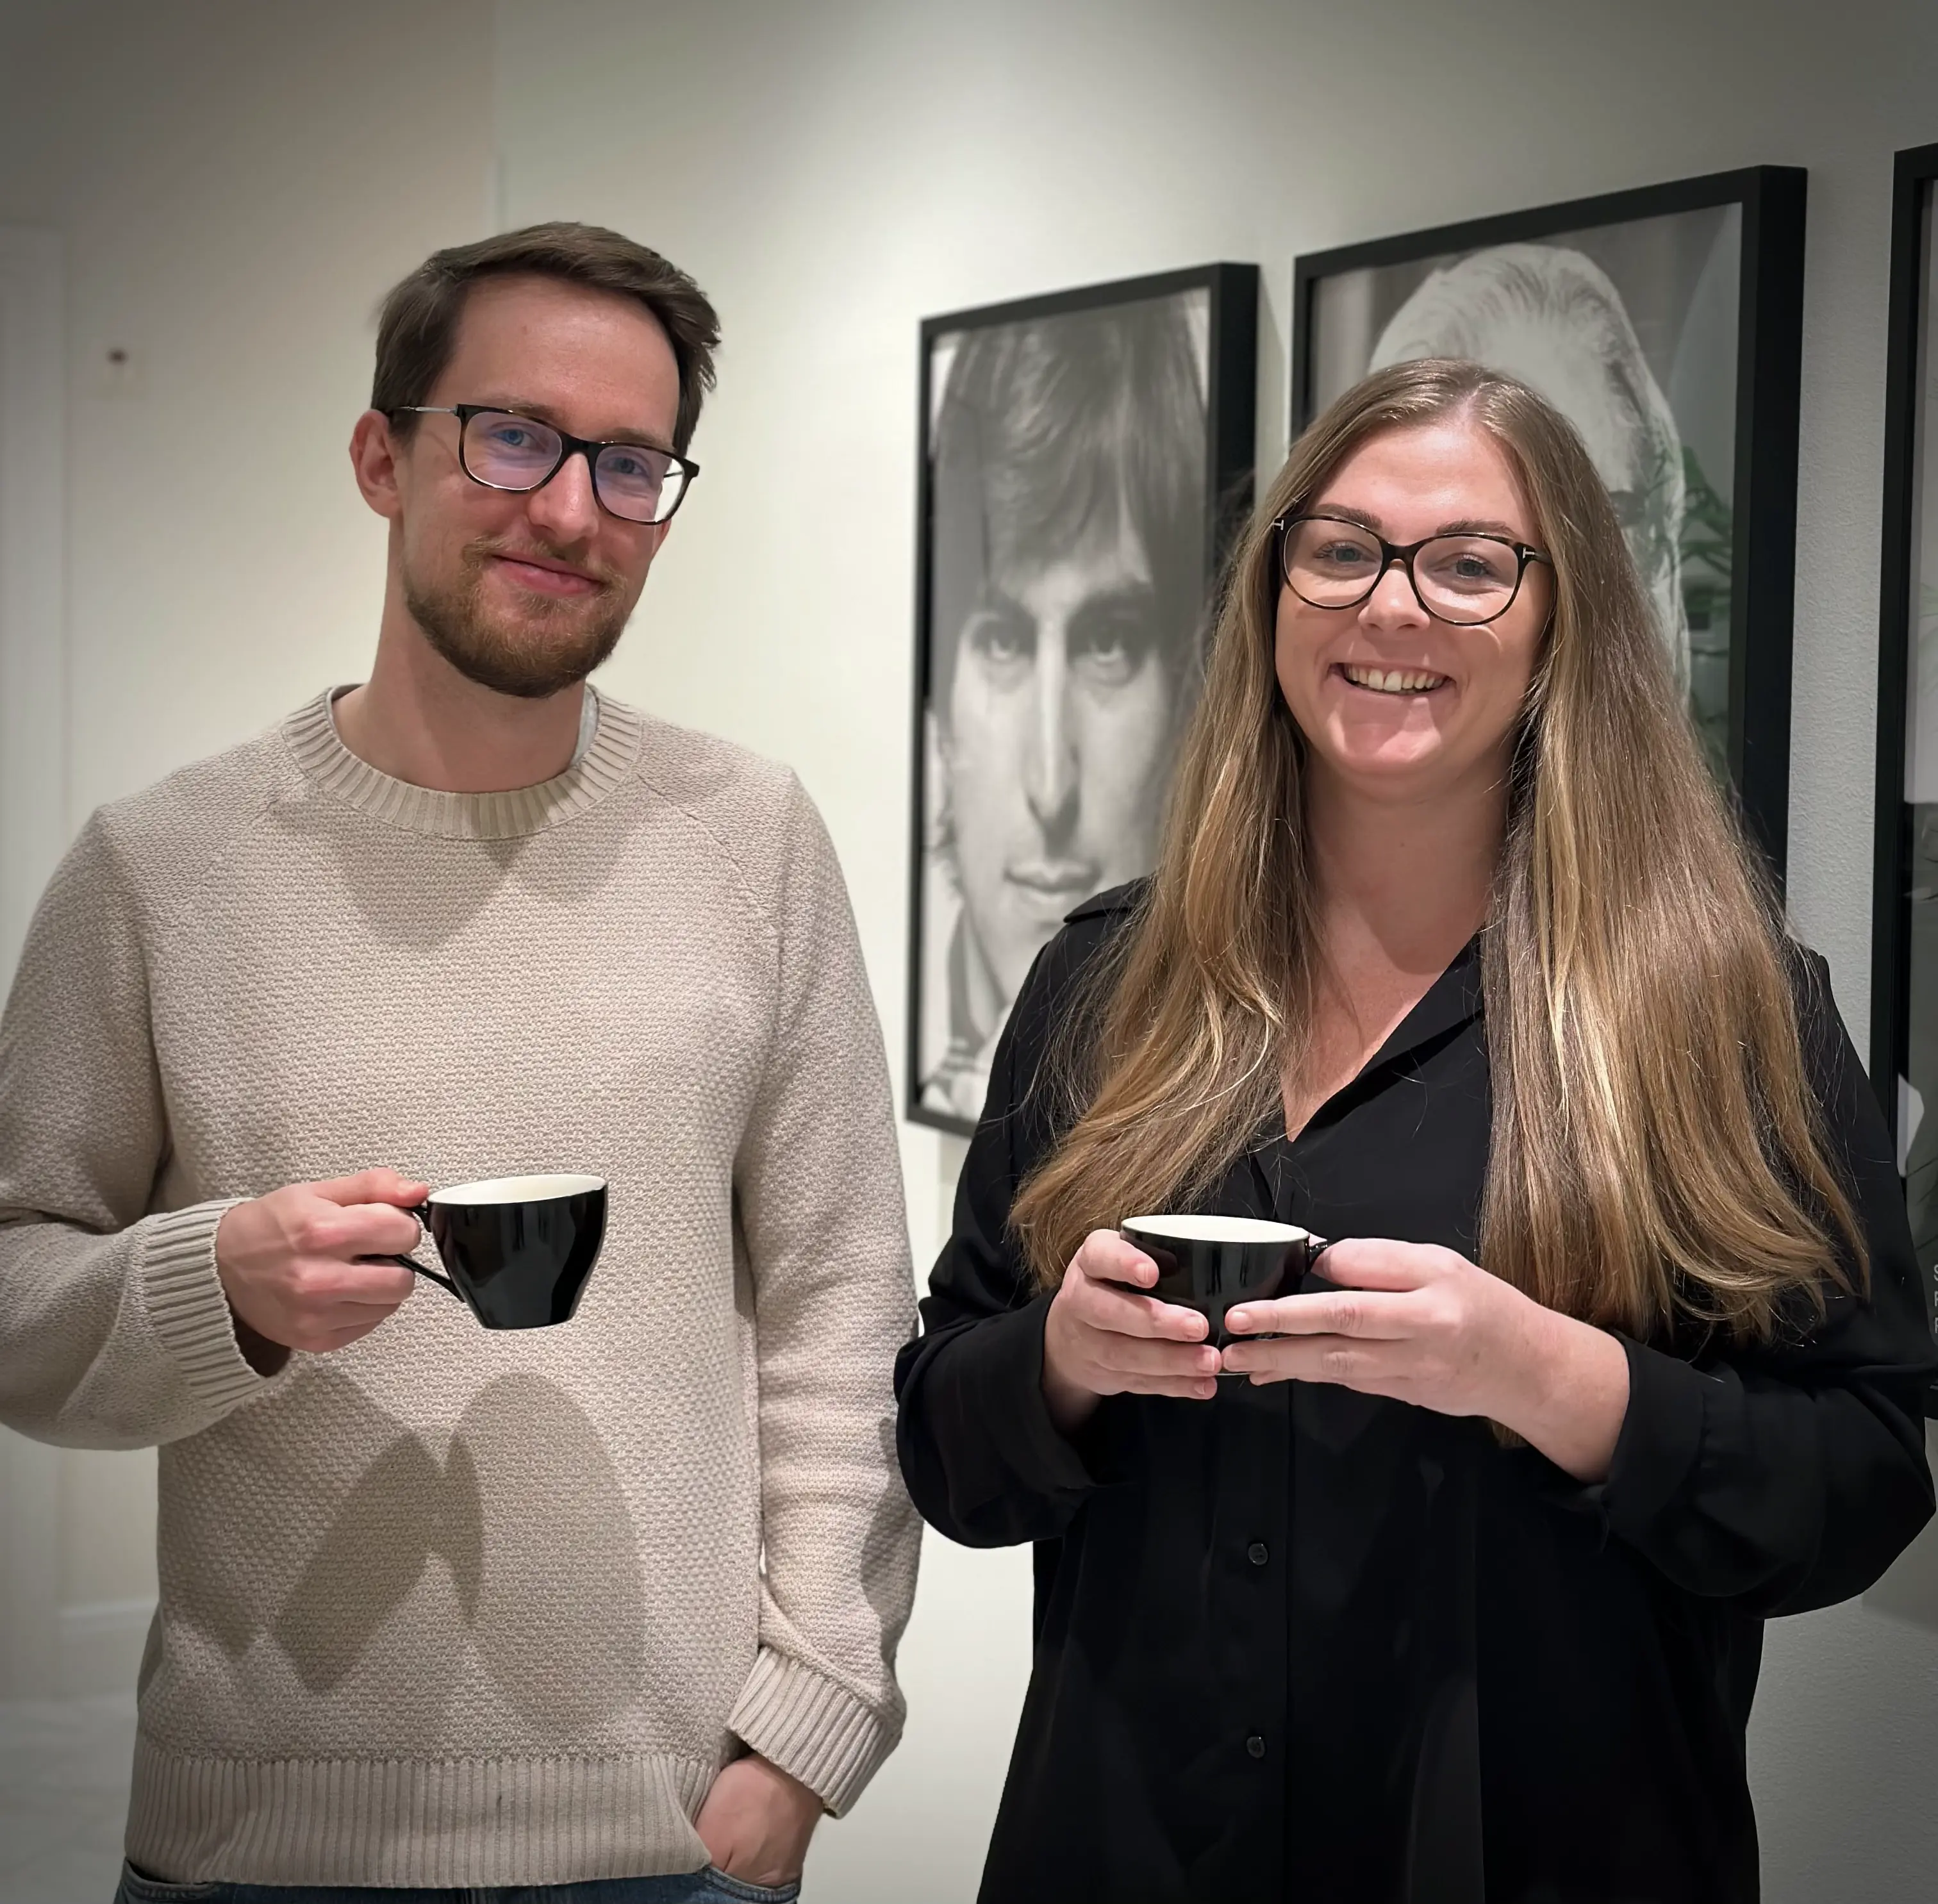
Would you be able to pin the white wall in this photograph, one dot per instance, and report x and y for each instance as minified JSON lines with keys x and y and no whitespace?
{"x":237,"y":181}
{"x":236,"y":185}
{"x":833,"y":174}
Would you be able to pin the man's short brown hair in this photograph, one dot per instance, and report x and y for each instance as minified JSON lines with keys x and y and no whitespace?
{"x":417,"y":330}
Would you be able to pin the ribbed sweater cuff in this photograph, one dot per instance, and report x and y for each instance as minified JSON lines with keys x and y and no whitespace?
{"x":810,"y":1727}
{"x":189,"y":1312}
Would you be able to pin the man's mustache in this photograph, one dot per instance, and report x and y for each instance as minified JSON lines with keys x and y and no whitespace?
{"x":475,"y":554}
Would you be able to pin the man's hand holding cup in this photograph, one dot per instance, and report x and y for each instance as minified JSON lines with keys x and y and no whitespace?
{"x":295,"y":1264}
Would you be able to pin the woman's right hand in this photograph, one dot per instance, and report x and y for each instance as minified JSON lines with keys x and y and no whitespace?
{"x":1104,"y":1336}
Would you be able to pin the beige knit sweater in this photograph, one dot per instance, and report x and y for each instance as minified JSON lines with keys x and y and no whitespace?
{"x":450,"y":1607}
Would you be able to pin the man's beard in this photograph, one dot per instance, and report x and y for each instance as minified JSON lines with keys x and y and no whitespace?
{"x":554,"y":644}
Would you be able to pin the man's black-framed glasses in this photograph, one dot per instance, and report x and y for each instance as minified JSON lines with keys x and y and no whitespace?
{"x":502,"y":449}
{"x":1463,"y":580}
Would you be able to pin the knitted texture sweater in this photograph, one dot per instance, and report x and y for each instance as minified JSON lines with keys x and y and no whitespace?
{"x":452,"y":1607}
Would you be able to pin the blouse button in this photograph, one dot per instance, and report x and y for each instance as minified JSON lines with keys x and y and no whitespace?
{"x":1257,"y":1553}
{"x":1255,"y":1745}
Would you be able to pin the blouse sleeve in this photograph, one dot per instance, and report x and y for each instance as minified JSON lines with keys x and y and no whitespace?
{"x":1790,"y":1476}
{"x":984,"y":1462}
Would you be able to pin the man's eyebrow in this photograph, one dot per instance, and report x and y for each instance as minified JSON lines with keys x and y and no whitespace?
{"x":1133,"y":589}
{"x":645,"y":439}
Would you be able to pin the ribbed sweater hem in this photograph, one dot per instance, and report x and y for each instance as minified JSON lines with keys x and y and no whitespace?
{"x":439,"y":1824}
{"x":812,"y":1728}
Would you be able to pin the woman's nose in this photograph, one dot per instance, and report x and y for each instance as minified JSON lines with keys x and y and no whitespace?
{"x":1392,"y":604}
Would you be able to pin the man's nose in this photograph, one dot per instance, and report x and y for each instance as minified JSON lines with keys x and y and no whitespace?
{"x":1049,"y":769}
{"x":565,"y":509}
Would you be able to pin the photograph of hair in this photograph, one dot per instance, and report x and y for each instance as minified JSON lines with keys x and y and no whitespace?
{"x":1068,"y":563}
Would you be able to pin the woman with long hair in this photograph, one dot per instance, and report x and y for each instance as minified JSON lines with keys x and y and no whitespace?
{"x":1444,"y":1576}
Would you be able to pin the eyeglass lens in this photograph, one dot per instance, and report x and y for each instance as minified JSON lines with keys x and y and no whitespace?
{"x":641,"y":483}
{"x":1461,"y":579}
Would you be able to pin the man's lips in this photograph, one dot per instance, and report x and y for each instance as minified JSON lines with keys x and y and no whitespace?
{"x":1061,"y":879}
{"x":545,"y":576}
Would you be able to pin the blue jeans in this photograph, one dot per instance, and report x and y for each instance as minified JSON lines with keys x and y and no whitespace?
{"x":707,"y":1887}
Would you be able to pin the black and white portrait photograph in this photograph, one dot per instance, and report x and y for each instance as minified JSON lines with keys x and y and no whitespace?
{"x":1081,"y":455}
{"x":1629,"y":314}
{"x":1904,"y":983}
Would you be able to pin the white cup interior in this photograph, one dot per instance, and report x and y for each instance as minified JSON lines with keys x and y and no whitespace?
{"x":1216,"y":1229}
{"x":517,"y":1189}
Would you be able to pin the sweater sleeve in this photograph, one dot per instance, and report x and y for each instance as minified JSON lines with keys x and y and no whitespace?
{"x":113,"y":1329}
{"x":818,"y":1189}
{"x":984,"y":1461}
{"x":1790,"y":1476}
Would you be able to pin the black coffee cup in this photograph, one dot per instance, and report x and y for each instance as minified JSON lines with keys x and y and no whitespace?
{"x":1213,"y":1264}
{"x":519,"y":1249}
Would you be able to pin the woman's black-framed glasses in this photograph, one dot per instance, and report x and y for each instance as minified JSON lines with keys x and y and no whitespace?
{"x":501,"y":449}
{"x":1463,"y":580}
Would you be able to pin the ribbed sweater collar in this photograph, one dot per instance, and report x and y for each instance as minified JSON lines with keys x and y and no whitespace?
{"x":320,"y":752}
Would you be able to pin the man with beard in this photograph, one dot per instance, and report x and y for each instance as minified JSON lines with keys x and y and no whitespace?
{"x":613,"y":1605}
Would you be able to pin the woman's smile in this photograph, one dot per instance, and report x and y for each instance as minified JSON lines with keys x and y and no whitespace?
{"x":1390,"y":680}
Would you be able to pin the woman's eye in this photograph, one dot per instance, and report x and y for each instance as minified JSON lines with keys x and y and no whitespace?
{"x":1342,"y":555}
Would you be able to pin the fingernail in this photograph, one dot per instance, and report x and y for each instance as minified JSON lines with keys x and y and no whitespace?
{"x":1238,"y":1319}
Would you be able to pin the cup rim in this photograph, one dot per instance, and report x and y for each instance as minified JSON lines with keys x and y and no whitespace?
{"x":1209,"y":1227}
{"x":548,"y":1188}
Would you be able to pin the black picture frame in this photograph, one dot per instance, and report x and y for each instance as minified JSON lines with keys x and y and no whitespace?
{"x":1762,"y":537}
{"x":1230,"y":369}
{"x":1910,"y":460}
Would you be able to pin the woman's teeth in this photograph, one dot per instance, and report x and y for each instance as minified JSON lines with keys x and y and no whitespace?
{"x":1393,"y":682}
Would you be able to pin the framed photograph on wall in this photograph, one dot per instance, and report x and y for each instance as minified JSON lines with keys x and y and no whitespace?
{"x":1084,"y":458}
{"x":1904,"y":958}
{"x":1666,"y":323}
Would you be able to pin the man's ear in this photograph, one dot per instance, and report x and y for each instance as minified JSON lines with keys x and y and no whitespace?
{"x":374,"y":454}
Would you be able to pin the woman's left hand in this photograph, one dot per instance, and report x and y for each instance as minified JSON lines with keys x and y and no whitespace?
{"x":1423,"y":1324}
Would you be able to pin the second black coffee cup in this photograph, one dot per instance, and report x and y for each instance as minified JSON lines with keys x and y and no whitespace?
{"x":518,"y":1249}
{"x":1212,"y":1264}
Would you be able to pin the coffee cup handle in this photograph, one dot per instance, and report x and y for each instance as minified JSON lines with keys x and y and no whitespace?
{"x":422,"y":1212}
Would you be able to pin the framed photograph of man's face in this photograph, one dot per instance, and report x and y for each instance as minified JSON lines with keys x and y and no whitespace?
{"x":1904,"y":962}
{"x":1083,"y":458}
{"x":1666,"y":324}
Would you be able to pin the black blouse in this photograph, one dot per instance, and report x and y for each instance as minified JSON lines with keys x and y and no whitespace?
{"x":1301,"y":1643}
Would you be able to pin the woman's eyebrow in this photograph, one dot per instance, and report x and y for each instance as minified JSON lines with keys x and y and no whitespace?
{"x":1345,"y":512}
{"x":1464,"y":526}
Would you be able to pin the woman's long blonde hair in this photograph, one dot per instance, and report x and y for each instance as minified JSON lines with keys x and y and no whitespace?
{"x":1657,"y":1152}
